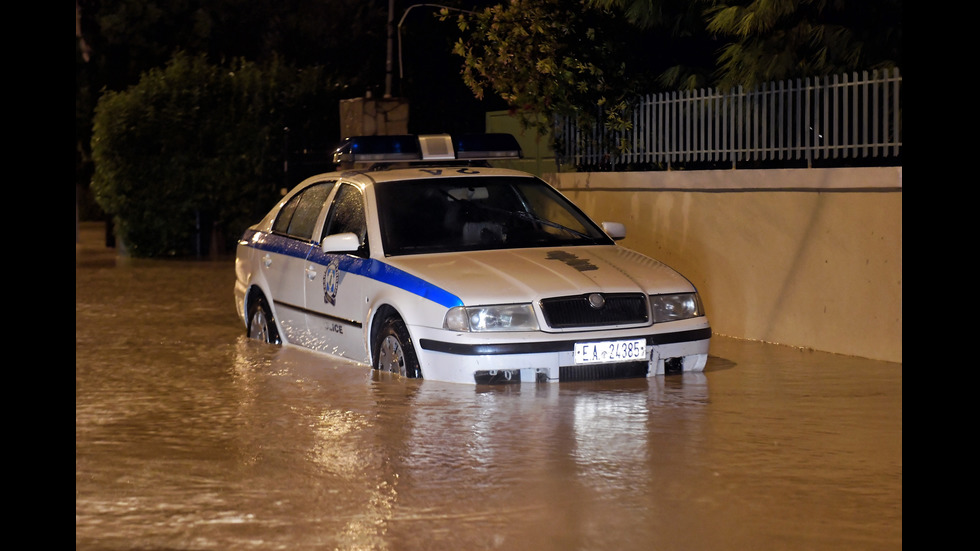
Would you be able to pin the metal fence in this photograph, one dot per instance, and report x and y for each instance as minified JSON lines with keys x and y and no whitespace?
{"x":839,"y":120}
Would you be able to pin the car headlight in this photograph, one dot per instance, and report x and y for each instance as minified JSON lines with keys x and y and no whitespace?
{"x":675,"y":307}
{"x":503,"y":317}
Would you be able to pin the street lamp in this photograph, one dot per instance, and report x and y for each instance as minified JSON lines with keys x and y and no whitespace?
{"x":391,"y":31}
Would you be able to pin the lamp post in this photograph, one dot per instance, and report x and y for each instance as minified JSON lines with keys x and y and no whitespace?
{"x":388,"y":61}
{"x":391,"y":31}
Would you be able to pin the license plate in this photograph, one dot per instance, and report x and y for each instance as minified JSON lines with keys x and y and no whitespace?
{"x":610,"y":351}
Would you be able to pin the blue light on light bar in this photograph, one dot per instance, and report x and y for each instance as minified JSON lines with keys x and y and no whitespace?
{"x":431,"y":148}
{"x":378,"y":148}
{"x":487,"y":146}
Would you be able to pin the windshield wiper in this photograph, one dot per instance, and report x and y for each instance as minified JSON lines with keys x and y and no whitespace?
{"x":522,"y":214}
{"x":528,"y":216}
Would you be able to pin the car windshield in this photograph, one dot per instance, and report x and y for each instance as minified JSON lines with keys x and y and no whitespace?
{"x":465,"y":214}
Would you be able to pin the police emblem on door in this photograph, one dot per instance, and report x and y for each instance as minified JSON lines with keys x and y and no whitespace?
{"x":331,"y":283}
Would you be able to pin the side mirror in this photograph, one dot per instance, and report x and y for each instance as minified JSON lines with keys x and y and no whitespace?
{"x":340,"y":243}
{"x":615,"y":230}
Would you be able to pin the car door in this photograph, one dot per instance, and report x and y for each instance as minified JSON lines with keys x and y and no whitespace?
{"x":336,"y":288}
{"x":284,"y":264}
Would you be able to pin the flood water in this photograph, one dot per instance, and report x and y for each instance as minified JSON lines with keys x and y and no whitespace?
{"x":190,"y":437}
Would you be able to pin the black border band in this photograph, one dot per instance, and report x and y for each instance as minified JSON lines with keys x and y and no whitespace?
{"x":551,"y":346}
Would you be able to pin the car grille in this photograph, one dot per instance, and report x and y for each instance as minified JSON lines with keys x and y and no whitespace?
{"x":576,"y":311}
{"x":599,"y":372}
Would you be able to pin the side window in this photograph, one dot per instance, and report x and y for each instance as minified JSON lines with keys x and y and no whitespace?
{"x":347,"y":215}
{"x":298,"y":216}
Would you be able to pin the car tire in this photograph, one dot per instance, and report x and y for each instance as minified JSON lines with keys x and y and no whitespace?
{"x":393,"y":350}
{"x":261,"y":324}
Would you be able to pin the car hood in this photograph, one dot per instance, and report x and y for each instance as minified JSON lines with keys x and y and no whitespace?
{"x":524,"y":275}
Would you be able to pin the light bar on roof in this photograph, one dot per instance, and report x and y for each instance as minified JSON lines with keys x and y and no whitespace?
{"x":487,"y":146}
{"x":428,"y":148}
{"x":378,"y":148}
{"x":437,"y":148}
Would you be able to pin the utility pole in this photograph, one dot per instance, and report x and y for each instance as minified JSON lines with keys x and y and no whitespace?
{"x":388,"y":115}
{"x":389,"y":62}
{"x":391,"y":39}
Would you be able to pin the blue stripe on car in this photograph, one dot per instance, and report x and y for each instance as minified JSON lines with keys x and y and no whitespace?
{"x":366,"y":267}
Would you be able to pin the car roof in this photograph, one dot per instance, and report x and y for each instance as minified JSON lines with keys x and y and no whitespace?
{"x":427,"y":147}
{"x":428,"y":172}
{"x":370,"y":159}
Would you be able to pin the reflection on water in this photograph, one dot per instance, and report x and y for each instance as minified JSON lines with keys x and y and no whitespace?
{"x":189,"y":436}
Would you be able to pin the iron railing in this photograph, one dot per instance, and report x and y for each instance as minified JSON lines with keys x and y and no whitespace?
{"x":838,"y":120}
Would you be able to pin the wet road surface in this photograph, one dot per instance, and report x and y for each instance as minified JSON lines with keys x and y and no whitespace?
{"x":190,"y":437}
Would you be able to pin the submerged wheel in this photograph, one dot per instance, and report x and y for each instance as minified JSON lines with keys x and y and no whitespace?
{"x":261,"y":325}
{"x":393,"y":350}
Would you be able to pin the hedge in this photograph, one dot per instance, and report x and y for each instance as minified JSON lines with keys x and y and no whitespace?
{"x":193,"y":153}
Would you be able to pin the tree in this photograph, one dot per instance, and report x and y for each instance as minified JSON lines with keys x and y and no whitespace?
{"x":768,"y":40}
{"x":193,"y":150}
{"x":553,"y":58}
{"x":117,"y":41}
{"x":801,"y":38}
{"x":686,"y":49}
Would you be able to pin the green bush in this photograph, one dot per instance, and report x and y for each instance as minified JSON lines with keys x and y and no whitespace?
{"x":193,"y":152}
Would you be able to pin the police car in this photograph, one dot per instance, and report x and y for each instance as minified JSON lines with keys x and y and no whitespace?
{"x":418,"y":258}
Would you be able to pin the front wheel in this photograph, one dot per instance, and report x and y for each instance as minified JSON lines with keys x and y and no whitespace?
{"x":261,"y":325}
{"x":393,"y":350}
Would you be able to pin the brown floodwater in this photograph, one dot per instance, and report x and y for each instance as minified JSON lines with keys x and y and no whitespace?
{"x":190,"y":437}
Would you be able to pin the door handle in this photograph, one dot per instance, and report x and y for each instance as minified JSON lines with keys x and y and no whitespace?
{"x":311,"y":273}
{"x":267,"y":260}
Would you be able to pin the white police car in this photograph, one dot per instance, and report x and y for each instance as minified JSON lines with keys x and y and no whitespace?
{"x":424,"y":261}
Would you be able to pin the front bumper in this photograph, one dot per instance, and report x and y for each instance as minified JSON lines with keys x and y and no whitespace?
{"x":468,"y":359}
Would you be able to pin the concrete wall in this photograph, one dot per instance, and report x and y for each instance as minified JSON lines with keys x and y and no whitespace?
{"x":538,"y":156}
{"x":800,"y":257}
{"x":373,"y":117}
